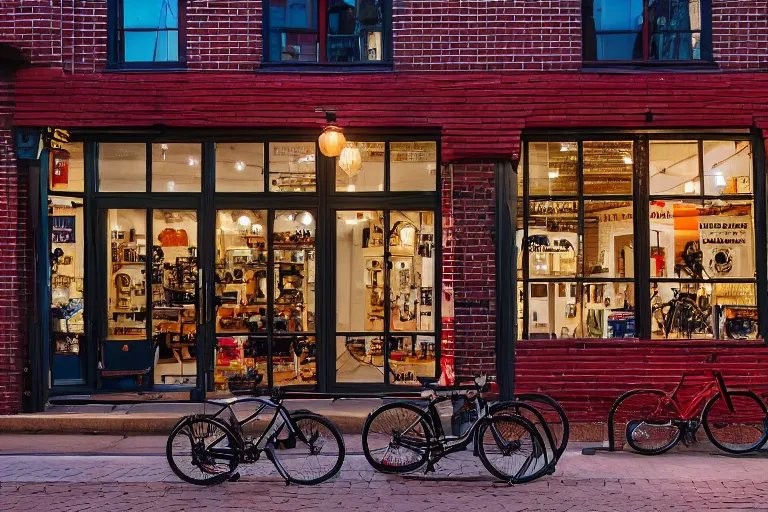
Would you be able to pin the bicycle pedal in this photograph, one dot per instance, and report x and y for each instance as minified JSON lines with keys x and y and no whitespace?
{"x":234,"y":477}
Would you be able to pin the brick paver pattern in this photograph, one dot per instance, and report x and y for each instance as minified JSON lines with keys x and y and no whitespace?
{"x":679,"y":481}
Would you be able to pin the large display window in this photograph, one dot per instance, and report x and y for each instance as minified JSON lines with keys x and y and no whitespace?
{"x":583,"y":240}
{"x":235,"y":264}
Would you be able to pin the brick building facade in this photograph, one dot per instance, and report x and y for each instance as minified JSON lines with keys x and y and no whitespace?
{"x":482,"y":73}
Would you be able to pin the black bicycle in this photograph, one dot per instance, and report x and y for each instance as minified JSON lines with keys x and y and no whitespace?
{"x":305,"y":448}
{"x":681,"y":314}
{"x":402,"y":437}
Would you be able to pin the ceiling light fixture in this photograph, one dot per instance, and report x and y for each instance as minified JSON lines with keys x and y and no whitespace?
{"x":332,"y":140}
{"x":240,"y":166}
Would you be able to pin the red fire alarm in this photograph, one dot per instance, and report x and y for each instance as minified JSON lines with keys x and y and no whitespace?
{"x":59,"y":168}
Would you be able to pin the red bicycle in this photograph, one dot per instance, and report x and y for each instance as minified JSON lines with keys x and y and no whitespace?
{"x":734,"y":421}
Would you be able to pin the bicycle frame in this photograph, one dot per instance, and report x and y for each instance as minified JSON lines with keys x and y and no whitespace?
{"x":692,"y":409}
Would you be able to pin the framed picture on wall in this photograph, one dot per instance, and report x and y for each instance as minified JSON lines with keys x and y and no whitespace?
{"x":538,"y":290}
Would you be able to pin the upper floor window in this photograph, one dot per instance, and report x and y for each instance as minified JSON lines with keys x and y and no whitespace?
{"x":146,"y":32}
{"x":647,"y":30}
{"x":327,"y":31}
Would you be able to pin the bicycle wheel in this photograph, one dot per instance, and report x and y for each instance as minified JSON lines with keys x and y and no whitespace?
{"x":314,"y":454}
{"x":555,"y":416}
{"x":396,"y":438}
{"x":511,"y":449}
{"x":535,"y":417}
{"x":202,"y":450}
{"x":648,"y":430}
{"x":741,"y":431}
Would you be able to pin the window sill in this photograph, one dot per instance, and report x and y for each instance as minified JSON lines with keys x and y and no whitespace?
{"x":689,"y":66}
{"x":147,"y":66}
{"x":322,"y":67}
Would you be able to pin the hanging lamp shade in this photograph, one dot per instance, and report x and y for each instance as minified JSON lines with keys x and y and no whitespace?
{"x":332,"y":141}
{"x":351,"y":161}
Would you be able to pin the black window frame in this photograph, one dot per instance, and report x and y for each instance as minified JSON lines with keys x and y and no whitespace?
{"x":641,"y":198}
{"x":589,"y":48}
{"x":322,"y":64}
{"x":116,"y":41}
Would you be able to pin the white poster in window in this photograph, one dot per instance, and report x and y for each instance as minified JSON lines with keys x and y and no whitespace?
{"x":726,"y":246}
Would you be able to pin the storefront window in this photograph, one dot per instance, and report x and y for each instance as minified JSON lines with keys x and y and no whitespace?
{"x":576,"y":280}
{"x":126,"y":279}
{"x":361,"y":289}
{"x":727,"y":167}
{"x":360,"y":167}
{"x":553,"y":168}
{"x":67,"y":169}
{"x":239,"y":167}
{"x":122,"y":167}
{"x":674,"y":168}
{"x":66,"y":218}
{"x":413,"y":166}
{"x":176,"y":167}
{"x":292,"y":167}
{"x":174,"y":295}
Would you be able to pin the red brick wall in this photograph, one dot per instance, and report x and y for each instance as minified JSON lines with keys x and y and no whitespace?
{"x":429,"y":35}
{"x":483,"y":35}
{"x":15,"y":260}
{"x":740,"y":33}
{"x":469,"y":266}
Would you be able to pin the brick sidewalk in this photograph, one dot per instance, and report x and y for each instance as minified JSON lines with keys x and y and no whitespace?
{"x":681,"y":480}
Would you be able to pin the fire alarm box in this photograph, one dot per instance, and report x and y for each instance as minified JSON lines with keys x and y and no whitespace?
{"x":59,"y":168}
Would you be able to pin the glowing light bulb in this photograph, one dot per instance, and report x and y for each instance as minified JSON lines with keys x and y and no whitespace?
{"x":192,"y":162}
{"x":240,"y":166}
{"x":350,"y":188}
{"x":171,"y":186}
{"x":244,"y":221}
{"x":628,"y":160}
{"x":306,"y":218}
{"x":688,"y":187}
{"x":719,"y":180}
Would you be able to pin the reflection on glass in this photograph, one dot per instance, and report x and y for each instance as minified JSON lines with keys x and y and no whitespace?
{"x":292,"y":167}
{"x":674,"y":30}
{"x":694,"y":241}
{"x":609,"y":243}
{"x":618,"y":27}
{"x":239,"y":167}
{"x":153,"y":34}
{"x":176,"y":167}
{"x":413,"y":166}
{"x":355,"y":29}
{"x":126,"y":279}
{"x":67,"y":172}
{"x":608,"y":167}
{"x":553,"y":168}
{"x":411,"y":245}
{"x":241,"y":271}
{"x":293,"y":30}
{"x":360,"y":359}
{"x":122,"y":167}
{"x":587,"y":310}
{"x":727,"y":167}
{"x":66,"y":220}
{"x":294,"y":271}
{"x":674,"y":168}
{"x":294,"y":360}
{"x":411,"y":357}
{"x":699,"y":310}
{"x":241,"y":363}
{"x":553,"y":241}
{"x":360,"y":167}
{"x":360,"y":271}
{"x":174,"y":294}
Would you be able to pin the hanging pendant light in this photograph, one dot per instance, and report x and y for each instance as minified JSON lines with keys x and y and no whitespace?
{"x":351,"y":161}
{"x":332,"y":140}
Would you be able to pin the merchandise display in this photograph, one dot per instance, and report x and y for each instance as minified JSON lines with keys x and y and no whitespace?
{"x":243,"y":301}
{"x":65,"y":219}
{"x":409,"y":353}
